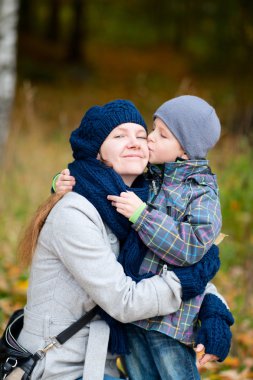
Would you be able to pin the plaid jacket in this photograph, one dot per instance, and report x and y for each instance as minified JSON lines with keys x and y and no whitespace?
{"x":180,"y":226}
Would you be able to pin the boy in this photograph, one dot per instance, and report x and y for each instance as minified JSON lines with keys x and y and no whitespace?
{"x":178,"y":225}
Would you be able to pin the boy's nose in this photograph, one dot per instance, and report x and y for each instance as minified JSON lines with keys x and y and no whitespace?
{"x":151,"y":136}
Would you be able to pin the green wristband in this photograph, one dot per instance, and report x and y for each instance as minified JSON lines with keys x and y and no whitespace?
{"x":133,"y":218}
{"x":54,"y":181}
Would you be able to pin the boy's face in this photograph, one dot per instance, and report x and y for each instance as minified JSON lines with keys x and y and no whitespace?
{"x":163,"y":145}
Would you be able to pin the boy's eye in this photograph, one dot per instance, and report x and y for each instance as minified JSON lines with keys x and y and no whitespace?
{"x":118,"y":136}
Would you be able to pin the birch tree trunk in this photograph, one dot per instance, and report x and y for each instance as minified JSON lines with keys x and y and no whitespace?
{"x":8,"y":37}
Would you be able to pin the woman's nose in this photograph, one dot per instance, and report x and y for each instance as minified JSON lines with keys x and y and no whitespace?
{"x":134,"y":142}
{"x":134,"y":145}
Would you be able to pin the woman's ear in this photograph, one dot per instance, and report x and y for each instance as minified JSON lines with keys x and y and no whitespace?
{"x":107,"y":163}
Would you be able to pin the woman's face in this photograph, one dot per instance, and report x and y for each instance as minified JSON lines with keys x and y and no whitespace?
{"x":125,"y":149}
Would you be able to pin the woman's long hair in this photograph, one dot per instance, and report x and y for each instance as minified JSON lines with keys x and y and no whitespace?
{"x":30,"y":236}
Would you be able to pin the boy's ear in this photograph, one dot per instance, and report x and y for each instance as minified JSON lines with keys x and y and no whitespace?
{"x":99,"y":157}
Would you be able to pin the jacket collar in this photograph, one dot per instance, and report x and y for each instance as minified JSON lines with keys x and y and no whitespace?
{"x":179,"y":170}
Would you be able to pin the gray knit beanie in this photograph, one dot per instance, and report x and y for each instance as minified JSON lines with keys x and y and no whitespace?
{"x":193,"y":122}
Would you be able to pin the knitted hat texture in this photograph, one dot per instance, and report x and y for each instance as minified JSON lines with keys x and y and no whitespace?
{"x":97,"y":124}
{"x":193,"y":122}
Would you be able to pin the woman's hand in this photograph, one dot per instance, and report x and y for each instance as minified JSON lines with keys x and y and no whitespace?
{"x":203,"y":358}
{"x":65,"y":182}
{"x":126,"y":204}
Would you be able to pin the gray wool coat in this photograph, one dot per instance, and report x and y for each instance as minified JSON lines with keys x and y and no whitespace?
{"x":75,"y":267}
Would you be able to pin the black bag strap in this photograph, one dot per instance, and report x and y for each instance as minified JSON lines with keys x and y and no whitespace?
{"x":13,"y":351}
{"x":61,"y":338}
{"x":76,"y":326}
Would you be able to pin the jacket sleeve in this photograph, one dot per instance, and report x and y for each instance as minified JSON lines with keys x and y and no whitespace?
{"x":182,"y":242}
{"x":78,"y":240}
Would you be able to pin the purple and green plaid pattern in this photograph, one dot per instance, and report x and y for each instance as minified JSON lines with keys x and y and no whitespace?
{"x":183,"y":225}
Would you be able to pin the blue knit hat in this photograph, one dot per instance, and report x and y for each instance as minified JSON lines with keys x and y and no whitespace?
{"x":97,"y":124}
{"x":193,"y":122}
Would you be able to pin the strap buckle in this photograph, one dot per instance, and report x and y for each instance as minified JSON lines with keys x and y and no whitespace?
{"x":9,"y":365}
{"x":54,"y":343}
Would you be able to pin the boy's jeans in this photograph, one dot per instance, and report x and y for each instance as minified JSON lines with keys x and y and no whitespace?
{"x":155,"y":356}
{"x":106,"y":377}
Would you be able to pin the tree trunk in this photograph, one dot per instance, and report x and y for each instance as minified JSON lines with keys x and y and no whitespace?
{"x":78,"y":33}
{"x":8,"y":36}
{"x":54,"y":21}
{"x":26,"y":15}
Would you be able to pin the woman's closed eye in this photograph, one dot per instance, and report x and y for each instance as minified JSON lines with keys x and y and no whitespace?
{"x":138,"y":137}
{"x":142,"y":137}
{"x":119,"y":136}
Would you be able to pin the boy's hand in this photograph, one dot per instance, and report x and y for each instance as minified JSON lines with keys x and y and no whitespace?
{"x":65,"y":182}
{"x":202,"y":357}
{"x":126,"y":204}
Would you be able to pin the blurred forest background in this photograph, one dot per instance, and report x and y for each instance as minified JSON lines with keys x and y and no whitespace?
{"x":72,"y":54}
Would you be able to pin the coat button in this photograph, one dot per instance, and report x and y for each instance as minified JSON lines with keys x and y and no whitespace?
{"x":112,"y":238}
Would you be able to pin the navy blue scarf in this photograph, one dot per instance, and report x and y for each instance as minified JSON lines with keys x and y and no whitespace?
{"x":94,"y":181}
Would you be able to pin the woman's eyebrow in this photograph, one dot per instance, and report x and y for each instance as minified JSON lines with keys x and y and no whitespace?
{"x":127,"y":129}
{"x":121,"y":129}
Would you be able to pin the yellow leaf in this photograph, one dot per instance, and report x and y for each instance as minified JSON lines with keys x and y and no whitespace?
{"x":229,"y":375}
{"x":14,"y":271}
{"x":235,"y":205}
{"x":245,"y":339}
{"x":200,"y":354}
{"x":120,"y":365}
{"x":20,"y":287}
{"x":232,"y":362}
{"x":3,"y":284}
{"x":220,"y":238}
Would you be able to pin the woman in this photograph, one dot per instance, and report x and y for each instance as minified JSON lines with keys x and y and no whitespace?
{"x":78,"y":251}
{"x":74,"y":264}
